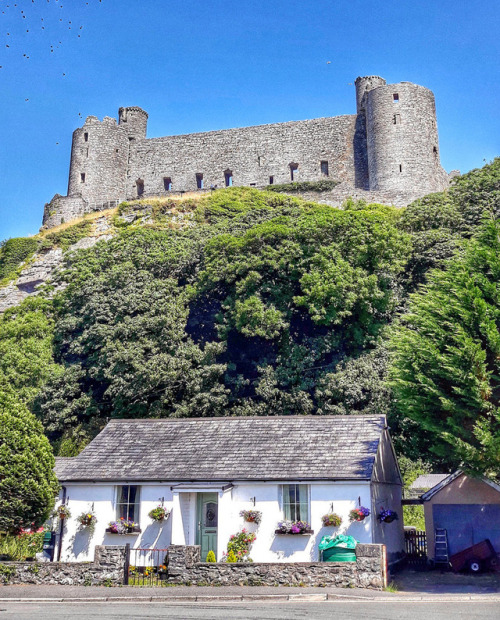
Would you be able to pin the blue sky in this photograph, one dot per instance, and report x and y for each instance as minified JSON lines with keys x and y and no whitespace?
{"x":199,"y":65}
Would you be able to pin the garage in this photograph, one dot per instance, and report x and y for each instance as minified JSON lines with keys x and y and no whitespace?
{"x":467,"y":525}
{"x":467,"y":508}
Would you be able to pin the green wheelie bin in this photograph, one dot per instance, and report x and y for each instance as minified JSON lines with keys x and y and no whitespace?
{"x":339,"y":548}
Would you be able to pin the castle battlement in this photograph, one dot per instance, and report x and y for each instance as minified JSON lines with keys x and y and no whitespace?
{"x":389,"y":150}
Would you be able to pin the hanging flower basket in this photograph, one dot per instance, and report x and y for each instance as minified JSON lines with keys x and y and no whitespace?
{"x":123,"y":526}
{"x":331,"y":519}
{"x":63,"y":512}
{"x":160,"y":513}
{"x":387,"y":516}
{"x":87,"y":520}
{"x":293,"y":527}
{"x":251,"y":516}
{"x":359,"y":514}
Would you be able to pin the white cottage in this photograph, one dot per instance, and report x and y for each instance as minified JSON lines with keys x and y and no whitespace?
{"x":206,"y":471}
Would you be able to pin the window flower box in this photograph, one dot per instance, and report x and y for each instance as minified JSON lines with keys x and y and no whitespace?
{"x":123,"y":526}
{"x":303,"y":533}
{"x":134,"y":530}
{"x":294,"y":528}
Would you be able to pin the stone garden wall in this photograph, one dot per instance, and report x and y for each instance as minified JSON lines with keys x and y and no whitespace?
{"x":184,"y":567}
{"x":369,"y":570}
{"x":106,"y":569}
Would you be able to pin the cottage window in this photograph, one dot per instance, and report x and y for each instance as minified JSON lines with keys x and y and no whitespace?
{"x":296,"y":502}
{"x":127,"y":502}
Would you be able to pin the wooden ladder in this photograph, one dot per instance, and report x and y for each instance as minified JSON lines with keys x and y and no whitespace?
{"x":441,"y":546}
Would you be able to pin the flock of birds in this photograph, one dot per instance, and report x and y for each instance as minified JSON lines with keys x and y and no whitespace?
{"x":36,"y":23}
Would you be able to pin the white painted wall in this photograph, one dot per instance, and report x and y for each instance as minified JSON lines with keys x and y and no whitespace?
{"x":78,"y":545}
{"x":180,"y":528}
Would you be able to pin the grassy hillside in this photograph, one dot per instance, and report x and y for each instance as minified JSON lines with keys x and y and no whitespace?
{"x":241,"y":302}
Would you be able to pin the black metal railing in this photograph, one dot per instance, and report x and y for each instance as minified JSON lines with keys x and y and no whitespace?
{"x":146,"y":567}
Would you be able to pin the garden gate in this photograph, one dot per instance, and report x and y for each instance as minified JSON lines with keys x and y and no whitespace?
{"x":416,"y":548}
{"x":145,"y":567}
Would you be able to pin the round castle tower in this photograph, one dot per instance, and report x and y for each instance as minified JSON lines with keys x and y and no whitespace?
{"x":100,"y":155}
{"x":135,"y":122}
{"x":401,"y":136}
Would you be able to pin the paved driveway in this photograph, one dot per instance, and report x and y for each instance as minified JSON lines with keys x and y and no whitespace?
{"x":446,"y":582}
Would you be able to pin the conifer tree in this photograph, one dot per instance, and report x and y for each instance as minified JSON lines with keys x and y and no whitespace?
{"x":446,"y":368}
{"x":27,"y":481}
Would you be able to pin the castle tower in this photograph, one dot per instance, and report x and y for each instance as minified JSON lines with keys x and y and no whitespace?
{"x":99,"y":156}
{"x":401,"y":136}
{"x":363,"y":85}
{"x":135,"y":121}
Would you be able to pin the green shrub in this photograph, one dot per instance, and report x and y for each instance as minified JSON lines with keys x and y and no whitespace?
{"x":20,"y":546}
{"x":211,"y":557}
{"x":13,"y":252}
{"x":231,"y":558}
{"x":68,"y":236}
{"x":304,"y":186}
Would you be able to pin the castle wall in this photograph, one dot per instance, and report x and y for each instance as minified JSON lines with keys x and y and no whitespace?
{"x":251,"y":154}
{"x":389,"y":149}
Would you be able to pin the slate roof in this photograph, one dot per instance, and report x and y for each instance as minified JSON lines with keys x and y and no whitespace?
{"x":427,"y":481}
{"x":225,"y":449}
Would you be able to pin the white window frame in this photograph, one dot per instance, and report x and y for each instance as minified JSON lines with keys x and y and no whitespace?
{"x":293,"y":514}
{"x":136,"y":504}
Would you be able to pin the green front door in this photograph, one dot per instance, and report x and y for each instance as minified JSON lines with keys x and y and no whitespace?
{"x":206,"y":534}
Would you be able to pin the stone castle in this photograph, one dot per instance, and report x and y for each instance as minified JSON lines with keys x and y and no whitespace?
{"x":387,"y":152}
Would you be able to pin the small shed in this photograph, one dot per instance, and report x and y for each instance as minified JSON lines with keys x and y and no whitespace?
{"x":467,"y":508}
{"x":423,"y":483}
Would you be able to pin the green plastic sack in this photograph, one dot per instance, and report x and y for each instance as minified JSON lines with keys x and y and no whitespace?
{"x":341,"y":540}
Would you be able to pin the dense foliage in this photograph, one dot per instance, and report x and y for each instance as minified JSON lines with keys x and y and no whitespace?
{"x":303,"y":186}
{"x":238,"y":316}
{"x":15,"y":252}
{"x":445,"y":373}
{"x":250,"y":303}
{"x":27,"y":481}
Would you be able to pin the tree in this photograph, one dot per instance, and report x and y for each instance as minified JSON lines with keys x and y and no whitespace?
{"x":26,"y":334}
{"x":445,"y":371}
{"x":27,"y":481}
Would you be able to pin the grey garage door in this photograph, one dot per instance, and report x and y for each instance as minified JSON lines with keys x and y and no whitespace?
{"x":468,"y":524}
